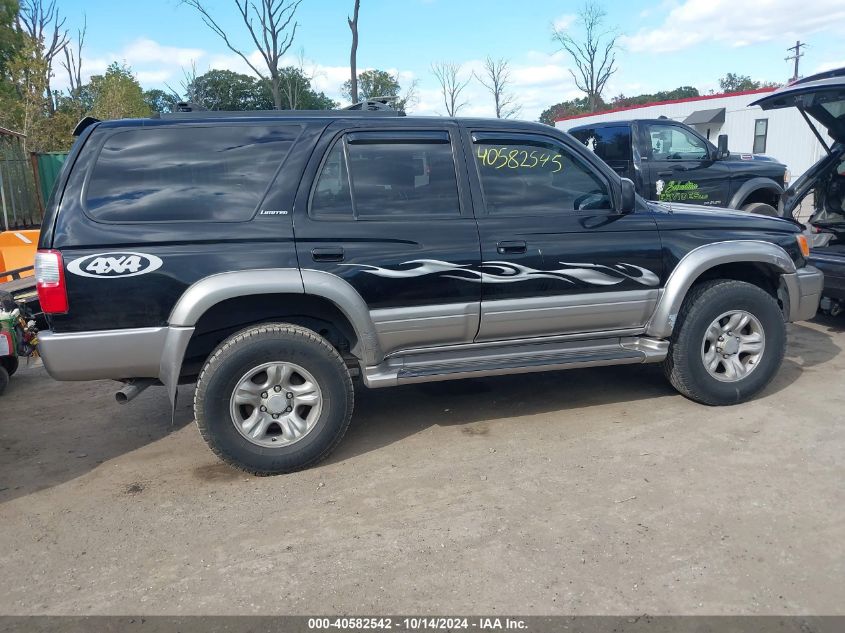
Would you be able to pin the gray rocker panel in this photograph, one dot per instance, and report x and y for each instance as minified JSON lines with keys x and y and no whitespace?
{"x":565,"y":314}
{"x":403,"y":328}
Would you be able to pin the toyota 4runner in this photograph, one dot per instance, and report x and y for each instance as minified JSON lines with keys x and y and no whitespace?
{"x":272,"y":256}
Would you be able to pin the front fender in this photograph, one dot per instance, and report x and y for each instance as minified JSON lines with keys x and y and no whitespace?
{"x":752,"y":186}
{"x":702,"y":259}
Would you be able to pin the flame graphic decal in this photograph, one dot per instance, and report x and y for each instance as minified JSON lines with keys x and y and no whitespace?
{"x":508,"y":272}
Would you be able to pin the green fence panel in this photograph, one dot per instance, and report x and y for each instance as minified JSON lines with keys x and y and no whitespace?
{"x":49,"y":166}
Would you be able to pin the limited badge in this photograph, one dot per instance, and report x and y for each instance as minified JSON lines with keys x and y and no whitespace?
{"x":113,"y":265}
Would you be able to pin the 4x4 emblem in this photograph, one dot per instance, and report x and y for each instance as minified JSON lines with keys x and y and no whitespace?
{"x":117,"y":264}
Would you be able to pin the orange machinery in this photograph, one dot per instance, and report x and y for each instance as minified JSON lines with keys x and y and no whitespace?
{"x":17,"y":250}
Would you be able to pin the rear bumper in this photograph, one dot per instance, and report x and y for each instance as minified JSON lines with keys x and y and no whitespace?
{"x":155,"y":352}
{"x":805,"y":291}
{"x":129,"y":353}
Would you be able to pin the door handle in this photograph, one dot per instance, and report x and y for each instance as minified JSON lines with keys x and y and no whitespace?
{"x":664,"y":174}
{"x":333,"y":254}
{"x":510,"y":248}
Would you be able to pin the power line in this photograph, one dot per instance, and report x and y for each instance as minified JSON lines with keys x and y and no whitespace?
{"x":796,"y":56}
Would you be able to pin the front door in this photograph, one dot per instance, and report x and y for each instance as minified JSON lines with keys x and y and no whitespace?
{"x":682,"y":166}
{"x":556,"y":257}
{"x":388,"y":213}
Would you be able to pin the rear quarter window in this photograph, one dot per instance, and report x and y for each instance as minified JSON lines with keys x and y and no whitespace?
{"x":178,"y":174}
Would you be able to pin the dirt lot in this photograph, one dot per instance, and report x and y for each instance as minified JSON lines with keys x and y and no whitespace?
{"x":591,"y":491}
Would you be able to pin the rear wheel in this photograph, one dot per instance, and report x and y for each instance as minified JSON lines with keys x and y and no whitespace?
{"x":10,"y":364}
{"x":4,"y":379}
{"x":728,"y":343}
{"x":273,"y":399}
{"x":761,"y":208}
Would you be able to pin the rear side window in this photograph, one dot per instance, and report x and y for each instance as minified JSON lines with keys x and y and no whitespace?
{"x":174,"y":174}
{"x":379,"y":176}
{"x":610,"y":143}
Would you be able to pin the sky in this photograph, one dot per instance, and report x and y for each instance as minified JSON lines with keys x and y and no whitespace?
{"x":663,"y":43}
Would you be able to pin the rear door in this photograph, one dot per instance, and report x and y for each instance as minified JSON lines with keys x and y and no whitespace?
{"x":682,"y":166}
{"x":556,"y":257}
{"x":389,"y":213}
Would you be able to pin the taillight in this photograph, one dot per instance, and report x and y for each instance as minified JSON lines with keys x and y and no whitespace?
{"x":50,"y":282}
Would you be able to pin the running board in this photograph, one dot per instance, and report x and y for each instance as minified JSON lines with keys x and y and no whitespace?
{"x":513,"y":358}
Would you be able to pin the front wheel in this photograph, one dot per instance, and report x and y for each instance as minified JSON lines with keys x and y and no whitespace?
{"x":273,"y":398}
{"x":761,"y":208}
{"x":728,"y":343}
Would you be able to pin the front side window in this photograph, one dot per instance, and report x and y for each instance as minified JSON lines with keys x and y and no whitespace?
{"x":173,"y":174}
{"x":374,"y":176}
{"x":669,"y":142}
{"x":528,"y":176}
{"x":761,"y":128}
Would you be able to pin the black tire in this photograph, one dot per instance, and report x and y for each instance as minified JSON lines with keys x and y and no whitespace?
{"x":761,"y":208}
{"x":4,"y":380}
{"x":684,"y":365}
{"x":249,"y":348}
{"x":10,"y":364}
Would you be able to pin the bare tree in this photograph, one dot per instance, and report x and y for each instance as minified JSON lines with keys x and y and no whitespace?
{"x":41,"y":22}
{"x":594,"y":55}
{"x":353,"y":55}
{"x":273,"y":34}
{"x":496,"y":77}
{"x":450,"y":86}
{"x":73,"y":61}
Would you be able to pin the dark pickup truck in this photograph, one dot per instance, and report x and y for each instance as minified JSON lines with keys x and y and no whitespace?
{"x":671,"y":162}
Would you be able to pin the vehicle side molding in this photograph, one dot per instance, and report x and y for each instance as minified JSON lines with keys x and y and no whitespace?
{"x":701,"y":259}
{"x":750,"y":186}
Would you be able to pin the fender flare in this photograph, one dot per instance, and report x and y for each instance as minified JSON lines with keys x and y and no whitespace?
{"x":702,"y":259}
{"x":209,"y":291}
{"x":750,"y":186}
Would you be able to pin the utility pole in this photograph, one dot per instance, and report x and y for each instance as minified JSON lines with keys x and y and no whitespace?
{"x":796,"y":56}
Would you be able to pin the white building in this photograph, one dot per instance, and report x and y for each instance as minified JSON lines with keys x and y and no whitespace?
{"x":782,"y":134}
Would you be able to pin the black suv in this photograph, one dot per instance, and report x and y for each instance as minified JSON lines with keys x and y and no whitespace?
{"x":272,"y":256}
{"x":671,"y":162}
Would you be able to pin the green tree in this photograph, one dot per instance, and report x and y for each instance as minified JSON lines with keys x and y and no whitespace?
{"x":117,"y":94}
{"x":10,"y":37}
{"x":564,"y":109}
{"x":378,"y":83}
{"x":160,"y":101}
{"x":740,"y":83}
{"x":298,"y":93}
{"x":684,"y":92}
{"x":227,"y":90}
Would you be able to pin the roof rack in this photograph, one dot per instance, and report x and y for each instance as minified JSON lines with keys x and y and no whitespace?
{"x":379,"y":106}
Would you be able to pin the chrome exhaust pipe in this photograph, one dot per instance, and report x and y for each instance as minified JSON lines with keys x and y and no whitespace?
{"x":132,"y":388}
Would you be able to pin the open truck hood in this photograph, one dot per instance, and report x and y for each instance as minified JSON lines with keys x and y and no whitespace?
{"x":821,"y":96}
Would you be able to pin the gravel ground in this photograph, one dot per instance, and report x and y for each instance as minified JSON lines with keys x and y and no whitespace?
{"x":595,"y":491}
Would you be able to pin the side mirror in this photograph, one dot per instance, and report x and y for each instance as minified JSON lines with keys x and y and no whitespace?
{"x":723,"y":147}
{"x":629,"y":196}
